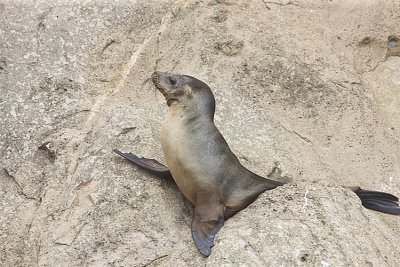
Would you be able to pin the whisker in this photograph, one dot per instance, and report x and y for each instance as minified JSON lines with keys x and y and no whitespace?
{"x":145,"y":81}
{"x":173,"y":67}
{"x":148,"y":85}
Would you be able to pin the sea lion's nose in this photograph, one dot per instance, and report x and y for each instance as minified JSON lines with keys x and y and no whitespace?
{"x":155,"y":75}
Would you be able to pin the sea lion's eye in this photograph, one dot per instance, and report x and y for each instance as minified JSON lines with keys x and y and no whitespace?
{"x":171,"y":81}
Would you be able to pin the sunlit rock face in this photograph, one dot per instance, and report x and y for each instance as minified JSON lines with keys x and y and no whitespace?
{"x":312,"y":85}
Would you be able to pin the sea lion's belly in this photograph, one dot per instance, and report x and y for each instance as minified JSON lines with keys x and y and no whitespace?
{"x":183,"y":157}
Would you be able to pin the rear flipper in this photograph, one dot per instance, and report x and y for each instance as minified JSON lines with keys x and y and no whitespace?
{"x":208,"y":219}
{"x":150,"y":165}
{"x":379,"y":201}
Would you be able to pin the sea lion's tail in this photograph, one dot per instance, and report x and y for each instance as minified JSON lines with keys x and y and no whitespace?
{"x":379,"y":201}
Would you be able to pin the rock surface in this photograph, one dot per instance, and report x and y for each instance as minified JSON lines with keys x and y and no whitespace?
{"x":313,"y":85}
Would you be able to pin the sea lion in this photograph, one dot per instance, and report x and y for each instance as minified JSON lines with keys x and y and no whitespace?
{"x":203,"y":166}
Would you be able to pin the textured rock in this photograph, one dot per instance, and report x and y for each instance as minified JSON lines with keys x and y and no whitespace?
{"x":313,"y":85}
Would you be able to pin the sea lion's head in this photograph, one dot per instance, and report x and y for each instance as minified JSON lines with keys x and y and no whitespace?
{"x":184,"y":91}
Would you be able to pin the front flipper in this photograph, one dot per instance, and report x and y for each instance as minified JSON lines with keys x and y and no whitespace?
{"x":379,"y":201}
{"x":208,"y":220}
{"x":150,"y":165}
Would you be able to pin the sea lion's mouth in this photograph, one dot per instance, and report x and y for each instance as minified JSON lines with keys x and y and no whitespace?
{"x":169,"y":101}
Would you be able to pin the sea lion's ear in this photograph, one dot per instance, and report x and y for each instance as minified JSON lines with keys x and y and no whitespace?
{"x":208,"y":220}
{"x":188,"y":90}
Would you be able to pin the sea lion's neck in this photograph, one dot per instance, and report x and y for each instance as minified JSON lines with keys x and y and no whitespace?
{"x":191,"y":115}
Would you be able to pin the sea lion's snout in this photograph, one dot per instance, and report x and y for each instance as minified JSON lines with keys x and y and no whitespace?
{"x":164,"y":80}
{"x":156,"y":78}
{"x":167,"y":85}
